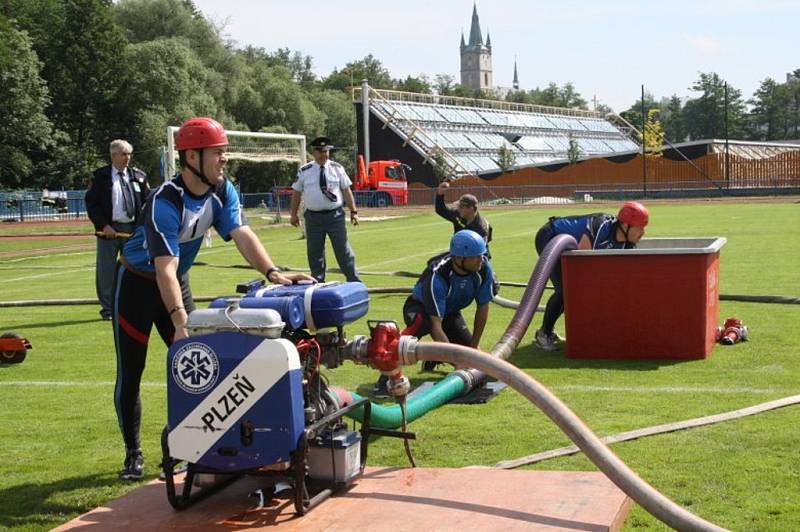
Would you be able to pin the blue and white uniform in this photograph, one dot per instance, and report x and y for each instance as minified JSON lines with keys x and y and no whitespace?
{"x":172,"y":224}
{"x":442,"y":292}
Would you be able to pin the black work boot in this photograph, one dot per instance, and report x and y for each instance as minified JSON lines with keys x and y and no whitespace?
{"x":133,"y":467}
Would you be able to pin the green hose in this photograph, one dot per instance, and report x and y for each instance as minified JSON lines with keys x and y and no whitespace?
{"x":390,"y":417}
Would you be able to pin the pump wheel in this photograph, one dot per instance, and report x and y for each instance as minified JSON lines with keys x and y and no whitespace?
{"x":12,"y":356}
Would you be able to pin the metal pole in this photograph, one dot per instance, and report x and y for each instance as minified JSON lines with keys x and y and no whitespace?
{"x":365,"y":118}
{"x":644,"y":148}
{"x":727,"y":154}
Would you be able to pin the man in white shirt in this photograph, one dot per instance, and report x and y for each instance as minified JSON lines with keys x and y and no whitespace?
{"x":113,"y":202}
{"x":325,"y":188}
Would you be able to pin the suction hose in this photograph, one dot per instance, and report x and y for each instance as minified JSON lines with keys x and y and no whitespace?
{"x":461,"y":382}
{"x":606,"y":461}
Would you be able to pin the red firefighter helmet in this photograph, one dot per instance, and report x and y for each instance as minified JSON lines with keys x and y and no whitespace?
{"x":199,"y":133}
{"x":634,"y":213}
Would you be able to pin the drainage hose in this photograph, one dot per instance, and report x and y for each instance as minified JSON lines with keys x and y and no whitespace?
{"x":606,"y":461}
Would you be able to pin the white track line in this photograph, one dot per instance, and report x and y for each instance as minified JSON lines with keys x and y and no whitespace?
{"x":51,"y":274}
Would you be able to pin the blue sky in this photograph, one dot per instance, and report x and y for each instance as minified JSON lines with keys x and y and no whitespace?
{"x":608,"y":49}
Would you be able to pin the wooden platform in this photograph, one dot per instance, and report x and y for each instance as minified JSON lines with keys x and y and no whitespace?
{"x":390,"y":499}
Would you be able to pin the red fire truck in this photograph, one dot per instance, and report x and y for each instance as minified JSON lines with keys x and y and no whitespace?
{"x":384,"y":185}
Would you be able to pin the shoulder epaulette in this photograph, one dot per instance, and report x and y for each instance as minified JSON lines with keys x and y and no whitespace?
{"x":334,"y":163}
{"x":306,"y":166}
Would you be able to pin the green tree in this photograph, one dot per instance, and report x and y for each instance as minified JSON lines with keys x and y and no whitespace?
{"x":552,"y":95}
{"x":634,"y":113}
{"x":770,"y":112}
{"x":419,"y":85}
{"x":369,"y":68}
{"x":24,"y":129}
{"x":443,"y":84}
{"x":672,"y":118}
{"x":506,"y":159}
{"x":85,"y":77}
{"x":704,"y":116}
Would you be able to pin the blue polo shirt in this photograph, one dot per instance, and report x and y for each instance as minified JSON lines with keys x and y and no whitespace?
{"x":174,"y":221}
{"x":599,"y":227}
{"x":443,"y":291}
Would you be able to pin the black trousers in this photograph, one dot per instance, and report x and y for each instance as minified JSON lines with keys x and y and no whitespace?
{"x":137,"y":307}
{"x":555,"y":305}
{"x":418,"y":323}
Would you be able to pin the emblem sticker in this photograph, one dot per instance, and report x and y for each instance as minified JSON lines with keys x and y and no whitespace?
{"x":195,"y":368}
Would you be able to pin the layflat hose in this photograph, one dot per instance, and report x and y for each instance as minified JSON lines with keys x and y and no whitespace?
{"x":606,"y":461}
{"x":391,"y":416}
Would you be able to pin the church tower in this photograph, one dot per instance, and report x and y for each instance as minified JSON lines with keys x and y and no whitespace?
{"x":476,"y":57}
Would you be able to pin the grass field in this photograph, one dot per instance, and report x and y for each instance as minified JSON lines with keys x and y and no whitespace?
{"x":60,"y":447}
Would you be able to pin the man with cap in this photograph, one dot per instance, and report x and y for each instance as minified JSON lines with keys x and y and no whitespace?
{"x":463,"y":213}
{"x":325,"y":188}
{"x":162,"y":249}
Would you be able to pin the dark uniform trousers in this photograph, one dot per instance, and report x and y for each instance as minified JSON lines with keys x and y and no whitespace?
{"x":137,"y":306}
{"x":555,"y":305}
{"x":418,"y":323}
{"x":320,"y":224}
{"x":108,"y":250}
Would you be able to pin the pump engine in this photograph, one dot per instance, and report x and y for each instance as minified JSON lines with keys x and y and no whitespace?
{"x":245,"y":394}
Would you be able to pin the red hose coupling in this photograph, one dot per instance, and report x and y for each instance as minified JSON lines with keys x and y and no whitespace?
{"x":382,"y":349}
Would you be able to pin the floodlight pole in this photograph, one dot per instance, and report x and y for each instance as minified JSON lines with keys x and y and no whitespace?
{"x":644,"y":148}
{"x":365,"y":119}
{"x":727,"y":153}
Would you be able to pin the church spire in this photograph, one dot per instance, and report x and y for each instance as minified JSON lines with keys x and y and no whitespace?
{"x":463,"y":44}
{"x":488,"y":40}
{"x":475,"y":37}
{"x":516,"y":78}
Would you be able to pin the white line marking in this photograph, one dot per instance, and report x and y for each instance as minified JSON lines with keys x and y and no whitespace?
{"x":51,"y":274}
{"x":76,"y":383}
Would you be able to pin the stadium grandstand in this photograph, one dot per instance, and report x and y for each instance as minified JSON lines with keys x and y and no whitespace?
{"x":470,"y":133}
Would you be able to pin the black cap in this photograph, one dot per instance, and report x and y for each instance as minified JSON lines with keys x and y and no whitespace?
{"x":468,"y":200}
{"x":322,"y":143}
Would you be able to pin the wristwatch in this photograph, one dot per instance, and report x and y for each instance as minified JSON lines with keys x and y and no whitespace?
{"x":270,"y":271}
{"x":353,"y":212}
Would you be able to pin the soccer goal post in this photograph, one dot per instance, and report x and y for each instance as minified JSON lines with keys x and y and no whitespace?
{"x":248,"y":146}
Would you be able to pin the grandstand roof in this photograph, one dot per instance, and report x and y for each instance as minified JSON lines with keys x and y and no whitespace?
{"x":471,"y":132}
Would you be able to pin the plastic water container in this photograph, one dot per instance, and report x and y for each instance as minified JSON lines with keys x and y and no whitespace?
{"x":658,"y":301}
{"x":329,"y":304}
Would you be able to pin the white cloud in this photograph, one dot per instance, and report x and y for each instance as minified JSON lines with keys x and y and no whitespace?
{"x":704,"y":44}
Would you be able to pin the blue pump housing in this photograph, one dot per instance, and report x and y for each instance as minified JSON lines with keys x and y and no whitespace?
{"x":331,"y":304}
{"x":234,"y":401}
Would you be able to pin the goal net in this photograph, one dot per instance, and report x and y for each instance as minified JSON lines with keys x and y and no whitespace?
{"x":248,"y":146}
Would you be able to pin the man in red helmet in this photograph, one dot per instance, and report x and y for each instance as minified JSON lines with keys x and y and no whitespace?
{"x":592,"y":231}
{"x":163,"y":247}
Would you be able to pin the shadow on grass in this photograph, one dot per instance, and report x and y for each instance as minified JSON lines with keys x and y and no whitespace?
{"x":32,"y":505}
{"x":530,"y":357}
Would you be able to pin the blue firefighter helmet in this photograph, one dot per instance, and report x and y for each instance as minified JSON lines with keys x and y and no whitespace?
{"x":466,"y":243}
